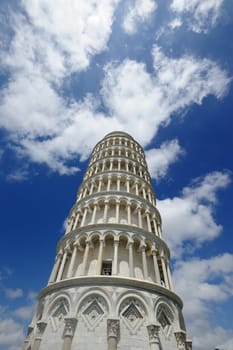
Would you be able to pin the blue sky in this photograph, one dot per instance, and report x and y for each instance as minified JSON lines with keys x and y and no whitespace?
{"x":72,"y":71}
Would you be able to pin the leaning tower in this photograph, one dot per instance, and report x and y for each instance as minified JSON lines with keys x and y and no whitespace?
{"x":110,"y":287}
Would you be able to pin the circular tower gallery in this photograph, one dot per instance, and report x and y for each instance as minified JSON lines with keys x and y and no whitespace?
{"x":110,"y":287}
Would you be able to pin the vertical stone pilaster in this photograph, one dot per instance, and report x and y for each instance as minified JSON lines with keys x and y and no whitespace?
{"x":113,"y":328}
{"x":180,"y":339}
{"x":70,"y":325}
{"x":188,"y":345}
{"x":153,"y":334}
{"x":39,"y":333}
{"x":28,"y":337}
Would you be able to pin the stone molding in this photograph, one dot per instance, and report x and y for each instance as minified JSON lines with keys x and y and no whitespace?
{"x":101,"y":280}
{"x":103,"y":227}
{"x":153,"y":333}
{"x":113,"y":327}
{"x":181,"y":339}
{"x":41,"y":325}
{"x":70,"y":325}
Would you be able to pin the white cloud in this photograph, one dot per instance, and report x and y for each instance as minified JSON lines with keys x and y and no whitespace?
{"x":190,"y":217}
{"x":60,"y":37}
{"x":47,"y":129}
{"x":13,"y":293}
{"x":25,"y":312}
{"x":203,"y":283}
{"x":199,"y":15}
{"x":138,"y":13}
{"x":142,"y":102}
{"x":11,"y":334}
{"x":159,"y":159}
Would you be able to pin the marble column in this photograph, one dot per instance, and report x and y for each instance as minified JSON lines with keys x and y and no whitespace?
{"x":118,"y":183}
{"x":61,"y":269}
{"x":76,"y":219}
{"x":70,"y":325}
{"x":127,"y":185}
{"x":153,"y":333}
{"x":53,"y":275}
{"x":100,"y":257}
{"x":159,"y":231}
{"x":169,"y":275}
{"x":131,"y":264}
{"x":136,"y":188}
{"x":39,"y":333}
{"x":115,"y":258}
{"x":156,"y":267}
{"x":129,"y":213}
{"x":144,"y":192}
{"x":94,"y":214}
{"x":84,"y":217}
{"x":144,"y":261}
{"x":105,"y":211}
{"x":164,"y":271}
{"x":156,"y":228}
{"x":85,"y":256}
{"x":117,"y":211}
{"x":92,"y":188}
{"x":148,"y":221}
{"x":100,"y":184}
{"x":139,"y":217}
{"x":113,"y":327}
{"x":72,"y":261}
{"x":109,"y":183}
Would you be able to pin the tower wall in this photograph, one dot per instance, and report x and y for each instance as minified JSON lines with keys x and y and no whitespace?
{"x":110,"y":287}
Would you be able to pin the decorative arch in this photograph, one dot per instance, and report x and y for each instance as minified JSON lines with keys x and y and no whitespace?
{"x":165,"y":316}
{"x":132,"y":311}
{"x":93,"y":308}
{"x":58,"y":310}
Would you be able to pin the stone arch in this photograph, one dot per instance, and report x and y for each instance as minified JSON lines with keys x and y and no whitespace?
{"x":165,"y":316}
{"x":99,"y":292}
{"x":93,"y":308}
{"x":132,"y":311}
{"x":64,"y":296}
{"x":58,"y":309}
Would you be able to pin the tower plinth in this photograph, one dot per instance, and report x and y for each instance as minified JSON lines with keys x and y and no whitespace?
{"x":110,"y":287}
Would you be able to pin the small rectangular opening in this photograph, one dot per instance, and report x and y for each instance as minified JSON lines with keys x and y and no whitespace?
{"x":107,"y":268}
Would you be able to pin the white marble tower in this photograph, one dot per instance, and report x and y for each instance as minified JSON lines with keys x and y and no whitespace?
{"x":110,"y":287}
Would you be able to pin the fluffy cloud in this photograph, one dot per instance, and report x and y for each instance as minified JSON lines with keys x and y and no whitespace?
{"x":138,"y":13}
{"x":159,"y":159}
{"x":202,"y":283}
{"x":190,"y":217}
{"x":11,"y":334}
{"x":46,"y":127}
{"x":199,"y":15}
{"x":13,"y":293}
{"x":59,"y":38}
{"x":150,"y":101}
